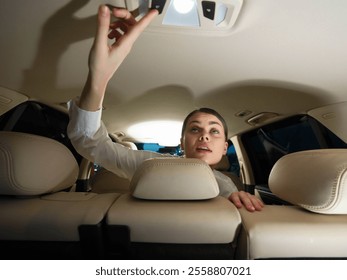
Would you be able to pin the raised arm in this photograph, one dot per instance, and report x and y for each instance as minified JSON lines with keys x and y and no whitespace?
{"x":105,"y":58}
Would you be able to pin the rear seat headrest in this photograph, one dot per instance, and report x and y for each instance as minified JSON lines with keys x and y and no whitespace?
{"x":34,"y":165}
{"x":315,"y":180}
{"x":174,"y":179}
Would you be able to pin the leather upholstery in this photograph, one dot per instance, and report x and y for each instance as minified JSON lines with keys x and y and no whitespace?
{"x":52,"y":217}
{"x":34,"y":165}
{"x":201,"y":222}
{"x":315,"y":180}
{"x":32,"y":208}
{"x":291,"y":232}
{"x":178,"y":203}
{"x":174,"y":179}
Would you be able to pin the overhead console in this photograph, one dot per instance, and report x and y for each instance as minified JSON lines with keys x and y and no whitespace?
{"x":187,"y":16}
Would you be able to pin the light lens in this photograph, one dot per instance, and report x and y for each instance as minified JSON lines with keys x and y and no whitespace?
{"x":183,"y":6}
{"x":182,"y":13}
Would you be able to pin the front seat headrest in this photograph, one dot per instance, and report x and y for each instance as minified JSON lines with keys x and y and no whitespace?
{"x":315,"y":180}
{"x":34,"y":165}
{"x":174,"y":179}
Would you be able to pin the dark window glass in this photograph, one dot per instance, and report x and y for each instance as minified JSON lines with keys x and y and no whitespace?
{"x":267,"y":144}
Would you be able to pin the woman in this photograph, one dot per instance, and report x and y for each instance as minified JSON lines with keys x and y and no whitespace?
{"x":204,"y":132}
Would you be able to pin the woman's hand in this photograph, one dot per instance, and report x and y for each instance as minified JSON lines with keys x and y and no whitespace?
{"x":106,"y":57}
{"x":249,"y":201}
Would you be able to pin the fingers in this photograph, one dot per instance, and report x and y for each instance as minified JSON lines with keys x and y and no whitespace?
{"x":118,"y":28}
{"x":121,"y":26}
{"x":249,"y":201}
{"x":138,"y":27}
{"x":125,"y":15}
{"x":127,"y":18}
{"x":256,"y":202}
{"x":146,"y":20}
{"x":234,"y":198}
{"x":104,"y":17}
{"x":125,"y":30}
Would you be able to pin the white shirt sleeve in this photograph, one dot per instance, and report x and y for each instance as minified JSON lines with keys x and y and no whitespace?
{"x":90,"y":138}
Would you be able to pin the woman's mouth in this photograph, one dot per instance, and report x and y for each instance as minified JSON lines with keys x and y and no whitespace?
{"x":203,"y":149}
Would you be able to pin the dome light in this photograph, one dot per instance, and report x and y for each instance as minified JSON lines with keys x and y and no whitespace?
{"x":183,"y":6}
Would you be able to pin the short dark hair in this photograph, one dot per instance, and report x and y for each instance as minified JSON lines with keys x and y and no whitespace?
{"x":207,"y":111}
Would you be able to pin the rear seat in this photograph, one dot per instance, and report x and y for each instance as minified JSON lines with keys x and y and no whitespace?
{"x":162,"y":216}
{"x":316,"y":226}
{"x":42,"y":218}
{"x":39,"y":217}
{"x":165,"y":217}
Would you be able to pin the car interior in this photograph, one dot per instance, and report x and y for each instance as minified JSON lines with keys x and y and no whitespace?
{"x":274,"y":69}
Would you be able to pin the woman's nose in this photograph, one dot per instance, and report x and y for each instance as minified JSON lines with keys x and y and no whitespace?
{"x":204,"y":137}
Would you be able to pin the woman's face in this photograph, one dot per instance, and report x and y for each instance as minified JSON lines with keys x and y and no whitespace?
{"x":204,"y":138}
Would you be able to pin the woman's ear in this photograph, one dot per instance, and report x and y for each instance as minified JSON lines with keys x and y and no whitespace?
{"x":225,"y":148}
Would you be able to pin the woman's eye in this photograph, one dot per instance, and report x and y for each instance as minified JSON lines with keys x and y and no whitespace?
{"x":194,"y":129}
{"x":215,"y":131}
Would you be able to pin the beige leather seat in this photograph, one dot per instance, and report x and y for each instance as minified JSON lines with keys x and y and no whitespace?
{"x":173,"y":212}
{"x":316,"y":226}
{"x":39,"y":217}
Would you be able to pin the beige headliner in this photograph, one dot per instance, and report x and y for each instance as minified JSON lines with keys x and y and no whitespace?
{"x":281,"y":56}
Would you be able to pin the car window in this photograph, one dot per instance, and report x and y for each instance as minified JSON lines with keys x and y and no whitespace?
{"x":265,"y":145}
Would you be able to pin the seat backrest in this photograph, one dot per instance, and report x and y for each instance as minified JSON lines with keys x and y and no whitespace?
{"x":315,"y":182}
{"x":38,"y":208}
{"x":174,"y":201}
